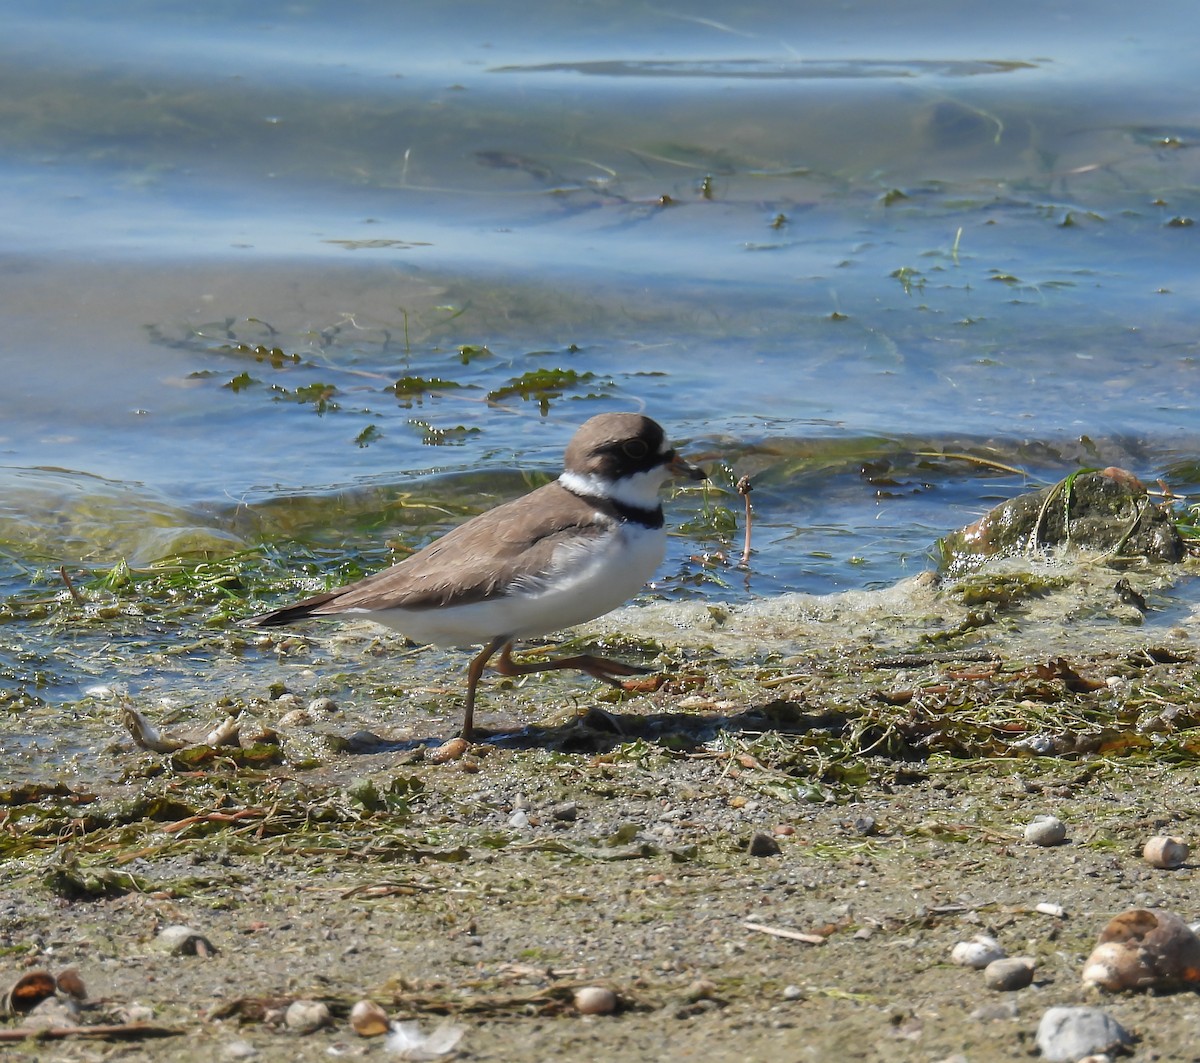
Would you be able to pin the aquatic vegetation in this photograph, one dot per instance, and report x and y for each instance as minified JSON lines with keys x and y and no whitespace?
{"x":414,"y":388}
{"x":542,"y":385}
{"x":449,"y":435}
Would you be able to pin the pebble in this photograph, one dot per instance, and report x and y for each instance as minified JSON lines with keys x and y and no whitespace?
{"x":762,"y":845}
{"x":295,"y":718}
{"x":239,"y":1050}
{"x":978,"y":952}
{"x":519,"y":820}
{"x":1009,"y":974}
{"x":322,"y":706}
{"x":1068,"y":1034}
{"x":452,"y":749}
{"x":595,"y":1000}
{"x":1046,"y":830}
{"x":305,"y":1016}
{"x":184,"y":941}
{"x":793,"y":992}
{"x":567,"y":812}
{"x":1166,"y":851}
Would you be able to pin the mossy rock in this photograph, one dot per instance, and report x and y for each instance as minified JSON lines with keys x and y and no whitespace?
{"x":1106,"y":511}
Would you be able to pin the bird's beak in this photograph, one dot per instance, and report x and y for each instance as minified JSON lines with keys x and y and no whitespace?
{"x":683,"y":469}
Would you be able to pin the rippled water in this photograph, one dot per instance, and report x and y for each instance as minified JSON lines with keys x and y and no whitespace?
{"x":822,"y":244}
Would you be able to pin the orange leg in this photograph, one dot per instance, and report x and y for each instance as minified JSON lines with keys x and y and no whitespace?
{"x":478,"y":664}
{"x":597,"y":667}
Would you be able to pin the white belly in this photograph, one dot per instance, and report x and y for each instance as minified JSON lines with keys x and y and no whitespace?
{"x":585,"y":583}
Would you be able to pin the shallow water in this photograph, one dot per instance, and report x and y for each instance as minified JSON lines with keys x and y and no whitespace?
{"x":820,"y":245}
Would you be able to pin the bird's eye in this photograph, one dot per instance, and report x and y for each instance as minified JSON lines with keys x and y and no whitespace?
{"x":635,"y":448}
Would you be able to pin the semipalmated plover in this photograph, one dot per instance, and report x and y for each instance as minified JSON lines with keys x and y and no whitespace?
{"x":565,"y":553}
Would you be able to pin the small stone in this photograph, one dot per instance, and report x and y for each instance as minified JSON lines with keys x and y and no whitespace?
{"x":452,"y":749}
{"x":295,"y":718}
{"x":239,"y":1050}
{"x":1166,"y":851}
{"x":595,"y":1000}
{"x":1046,"y":830}
{"x":519,"y":820}
{"x":184,"y":941}
{"x":1068,"y":1034}
{"x":322,"y":706}
{"x":978,"y":952}
{"x":1009,"y":974}
{"x":567,"y":812}
{"x":762,"y":845}
{"x":306,"y":1016}
{"x":793,"y":992}
{"x":1049,"y":908}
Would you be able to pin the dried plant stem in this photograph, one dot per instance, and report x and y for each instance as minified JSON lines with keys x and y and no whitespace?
{"x":744,"y":488}
{"x":75,"y":595}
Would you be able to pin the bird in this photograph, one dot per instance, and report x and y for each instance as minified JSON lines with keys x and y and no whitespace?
{"x":567,"y":552}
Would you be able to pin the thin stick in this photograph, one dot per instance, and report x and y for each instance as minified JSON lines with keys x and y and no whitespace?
{"x":744,"y":488}
{"x":791,"y":935}
{"x":129,"y":1031}
{"x":988,"y":462}
{"x":79,"y":598}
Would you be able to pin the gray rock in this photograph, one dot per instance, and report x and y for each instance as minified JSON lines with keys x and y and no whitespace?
{"x":1067,"y":1034}
{"x":567,"y":812}
{"x":1008,"y":974}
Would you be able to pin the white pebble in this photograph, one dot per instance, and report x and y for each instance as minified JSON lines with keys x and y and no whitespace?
{"x":595,"y":1000}
{"x":978,"y":952}
{"x":1046,"y":908}
{"x":305,"y":1016}
{"x":1046,"y":830}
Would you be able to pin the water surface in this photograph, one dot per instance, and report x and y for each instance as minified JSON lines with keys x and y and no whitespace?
{"x":823,"y":245}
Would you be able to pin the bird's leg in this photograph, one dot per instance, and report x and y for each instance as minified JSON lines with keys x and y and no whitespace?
{"x":478,"y":664}
{"x":597,"y":667}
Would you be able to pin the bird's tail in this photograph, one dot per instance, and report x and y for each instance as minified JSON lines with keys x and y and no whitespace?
{"x":289,"y":614}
